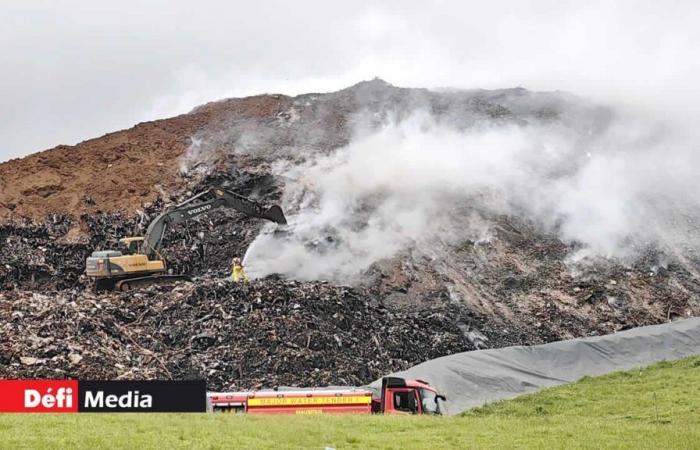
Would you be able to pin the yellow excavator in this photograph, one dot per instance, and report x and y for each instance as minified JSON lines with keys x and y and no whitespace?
{"x":139,"y":263}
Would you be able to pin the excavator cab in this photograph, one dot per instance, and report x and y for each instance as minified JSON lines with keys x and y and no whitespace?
{"x":132,"y":245}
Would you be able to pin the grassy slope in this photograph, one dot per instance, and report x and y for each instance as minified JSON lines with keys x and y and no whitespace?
{"x":617,"y":410}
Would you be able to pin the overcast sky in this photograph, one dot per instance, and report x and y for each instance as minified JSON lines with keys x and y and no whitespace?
{"x":72,"y":70}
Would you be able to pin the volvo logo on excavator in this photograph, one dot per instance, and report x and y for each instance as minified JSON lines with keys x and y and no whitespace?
{"x":194,"y":211}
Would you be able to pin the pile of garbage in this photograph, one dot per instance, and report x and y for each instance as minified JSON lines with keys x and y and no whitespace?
{"x":515,"y":285}
{"x":236,"y":335}
{"x":51,"y":255}
{"x":513,"y":290}
{"x":33,"y":256}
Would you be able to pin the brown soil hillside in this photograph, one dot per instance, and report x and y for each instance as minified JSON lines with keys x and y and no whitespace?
{"x":119,"y":171}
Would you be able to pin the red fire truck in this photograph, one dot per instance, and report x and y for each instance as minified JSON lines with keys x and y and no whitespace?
{"x":397,"y":396}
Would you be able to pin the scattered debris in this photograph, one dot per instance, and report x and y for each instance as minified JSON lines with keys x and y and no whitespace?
{"x":268,"y":332}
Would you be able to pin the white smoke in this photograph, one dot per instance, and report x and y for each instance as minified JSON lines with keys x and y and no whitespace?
{"x":415,"y":181}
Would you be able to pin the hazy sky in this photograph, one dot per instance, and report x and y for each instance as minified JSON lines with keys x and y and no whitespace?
{"x":71,"y":70}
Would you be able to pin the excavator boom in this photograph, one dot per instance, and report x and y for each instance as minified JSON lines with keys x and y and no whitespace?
{"x":202,"y":203}
{"x":142,"y":265}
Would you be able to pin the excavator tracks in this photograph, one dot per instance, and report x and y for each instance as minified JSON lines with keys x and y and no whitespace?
{"x":135,"y":283}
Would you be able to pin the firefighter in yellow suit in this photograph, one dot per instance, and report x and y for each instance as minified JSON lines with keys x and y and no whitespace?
{"x":237,"y":272}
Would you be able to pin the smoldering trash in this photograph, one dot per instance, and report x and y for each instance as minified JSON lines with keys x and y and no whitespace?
{"x":382,"y":265}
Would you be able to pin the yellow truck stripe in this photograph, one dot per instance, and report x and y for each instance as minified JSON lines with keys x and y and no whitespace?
{"x":300,"y":401}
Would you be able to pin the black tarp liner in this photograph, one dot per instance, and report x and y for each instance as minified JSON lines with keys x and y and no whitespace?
{"x":474,"y":378}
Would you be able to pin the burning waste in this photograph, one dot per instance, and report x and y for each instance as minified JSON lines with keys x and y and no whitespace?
{"x":420,"y":224}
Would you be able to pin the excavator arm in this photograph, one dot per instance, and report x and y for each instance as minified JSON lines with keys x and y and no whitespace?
{"x":202,"y":203}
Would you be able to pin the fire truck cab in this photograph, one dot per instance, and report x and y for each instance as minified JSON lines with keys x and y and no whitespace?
{"x":397,"y":396}
{"x":401,"y":396}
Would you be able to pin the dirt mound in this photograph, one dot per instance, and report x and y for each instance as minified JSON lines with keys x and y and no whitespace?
{"x":120,"y":171}
{"x":128,"y":170}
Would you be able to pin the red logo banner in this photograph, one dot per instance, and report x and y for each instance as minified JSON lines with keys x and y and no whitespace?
{"x":39,"y":396}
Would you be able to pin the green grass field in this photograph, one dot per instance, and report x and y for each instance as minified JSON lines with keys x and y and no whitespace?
{"x":655,"y":407}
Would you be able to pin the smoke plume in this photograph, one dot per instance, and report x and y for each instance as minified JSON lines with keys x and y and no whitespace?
{"x":613,"y":187}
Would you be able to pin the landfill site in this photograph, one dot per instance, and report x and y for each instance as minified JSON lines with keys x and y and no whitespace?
{"x":375,"y":262}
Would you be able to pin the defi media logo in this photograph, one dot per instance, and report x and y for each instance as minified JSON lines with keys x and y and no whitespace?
{"x":102,"y":396}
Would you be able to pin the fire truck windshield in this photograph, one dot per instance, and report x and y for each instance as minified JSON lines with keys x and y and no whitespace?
{"x":430,"y":402}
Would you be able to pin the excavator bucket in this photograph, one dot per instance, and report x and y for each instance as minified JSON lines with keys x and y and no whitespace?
{"x":275,"y":214}
{"x":202,"y":203}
